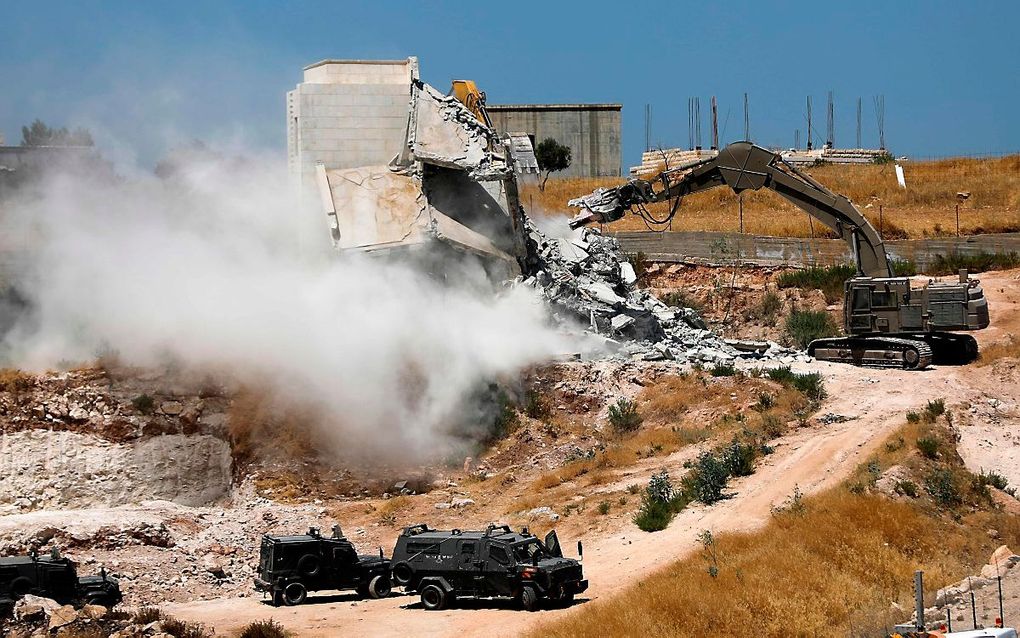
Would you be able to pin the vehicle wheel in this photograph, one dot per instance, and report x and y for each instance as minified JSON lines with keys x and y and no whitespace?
{"x":98,"y":599}
{"x":309,"y":565}
{"x":402,"y":574}
{"x":294,"y":594}
{"x":20,"y":587}
{"x":433,"y":597}
{"x":529,"y":599}
{"x":379,"y":587}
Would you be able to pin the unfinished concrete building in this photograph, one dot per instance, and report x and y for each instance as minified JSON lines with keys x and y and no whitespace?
{"x":592,"y":131}
{"x":348,"y":113}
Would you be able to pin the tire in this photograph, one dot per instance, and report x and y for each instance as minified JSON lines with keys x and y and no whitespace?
{"x":433,"y":597}
{"x":379,"y":586}
{"x":402,"y":574}
{"x":98,"y":599}
{"x":309,"y":566}
{"x":294,"y":594}
{"x":529,"y":599}
{"x":20,"y":587}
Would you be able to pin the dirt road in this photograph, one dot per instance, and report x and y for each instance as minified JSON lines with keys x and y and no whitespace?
{"x":809,"y":459}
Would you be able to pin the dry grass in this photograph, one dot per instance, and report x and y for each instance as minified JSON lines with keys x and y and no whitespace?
{"x":830,"y":566}
{"x":926,"y":208}
{"x":679,"y":410}
{"x":260,"y":430}
{"x":15,"y":381}
{"x":1009,"y":347}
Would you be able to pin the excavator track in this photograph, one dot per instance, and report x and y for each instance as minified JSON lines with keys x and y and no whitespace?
{"x":885,"y":352}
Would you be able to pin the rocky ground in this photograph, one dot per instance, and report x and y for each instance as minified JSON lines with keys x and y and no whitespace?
{"x":188,"y":539}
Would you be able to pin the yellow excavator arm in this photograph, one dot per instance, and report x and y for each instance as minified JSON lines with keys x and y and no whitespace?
{"x":467,"y":92}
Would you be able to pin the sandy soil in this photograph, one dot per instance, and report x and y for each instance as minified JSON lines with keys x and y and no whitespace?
{"x":617,"y":555}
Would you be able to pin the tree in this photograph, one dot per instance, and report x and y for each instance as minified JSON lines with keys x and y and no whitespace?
{"x":552,"y":156}
{"x":38,"y":134}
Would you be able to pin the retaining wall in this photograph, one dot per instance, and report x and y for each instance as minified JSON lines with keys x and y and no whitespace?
{"x":735,"y":247}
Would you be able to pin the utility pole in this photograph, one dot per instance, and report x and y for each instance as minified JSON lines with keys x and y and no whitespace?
{"x":690,"y":123}
{"x":859,"y":122}
{"x":715,"y":126}
{"x":880,"y":117}
{"x":830,"y":125}
{"x":648,"y":127}
{"x":747,"y":121}
{"x":796,"y":138}
{"x":809,"y":122}
{"x":697,"y":123}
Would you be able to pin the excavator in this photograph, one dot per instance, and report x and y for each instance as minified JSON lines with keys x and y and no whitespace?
{"x":887,"y":322}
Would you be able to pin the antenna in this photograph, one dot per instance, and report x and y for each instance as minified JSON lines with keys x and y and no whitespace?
{"x":747,"y":122}
{"x":697,"y":123}
{"x":715,"y":126}
{"x":809,"y":122}
{"x":796,"y":138}
{"x":859,"y":122}
{"x":830,"y":126}
{"x":880,"y":117}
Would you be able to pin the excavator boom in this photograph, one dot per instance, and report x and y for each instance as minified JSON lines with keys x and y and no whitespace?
{"x":745,"y":166}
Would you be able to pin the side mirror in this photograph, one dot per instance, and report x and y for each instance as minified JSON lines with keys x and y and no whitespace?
{"x":580,"y":549}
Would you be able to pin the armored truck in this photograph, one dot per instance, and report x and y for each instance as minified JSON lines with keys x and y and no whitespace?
{"x":56,"y":577}
{"x":291,"y":566}
{"x":495,"y":563}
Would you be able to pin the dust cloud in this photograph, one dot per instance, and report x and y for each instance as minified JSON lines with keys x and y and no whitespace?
{"x":217,"y":267}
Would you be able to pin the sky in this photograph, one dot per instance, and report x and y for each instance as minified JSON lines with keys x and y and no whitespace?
{"x":147,"y":76}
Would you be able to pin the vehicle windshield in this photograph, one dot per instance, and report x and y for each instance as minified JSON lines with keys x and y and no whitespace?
{"x":529,"y":551}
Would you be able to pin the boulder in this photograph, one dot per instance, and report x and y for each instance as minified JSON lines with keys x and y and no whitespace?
{"x":93,"y":612}
{"x":63,"y":615}
{"x":31,"y":607}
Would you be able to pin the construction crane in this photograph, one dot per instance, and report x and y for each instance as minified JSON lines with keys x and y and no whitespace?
{"x":887,"y":322}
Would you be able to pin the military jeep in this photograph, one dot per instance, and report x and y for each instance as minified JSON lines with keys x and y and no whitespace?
{"x":291,"y":566}
{"x":496,"y":563}
{"x":56,"y":577}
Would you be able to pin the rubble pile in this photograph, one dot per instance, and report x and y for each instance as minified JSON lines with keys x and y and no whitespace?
{"x":585,"y":277}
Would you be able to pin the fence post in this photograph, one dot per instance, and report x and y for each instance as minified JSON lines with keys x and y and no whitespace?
{"x":957,"y":219}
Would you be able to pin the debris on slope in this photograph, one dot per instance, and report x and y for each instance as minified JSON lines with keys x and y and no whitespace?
{"x":585,"y":278}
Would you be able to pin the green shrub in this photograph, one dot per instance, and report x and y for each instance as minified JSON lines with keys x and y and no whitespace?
{"x":934,"y":409}
{"x":144,"y":404}
{"x":723,"y":370}
{"x":829,"y":279}
{"x":180,"y":629}
{"x":679,"y":299}
{"x":765,"y":402}
{"x":907,"y":488}
{"x":772,"y":426}
{"x":928,"y":446}
{"x":913,"y":417}
{"x":707,"y":480}
{"x":654,"y":515}
{"x":952,"y":263}
{"x":624,"y":416}
{"x":738,"y":458}
{"x":603,"y":508}
{"x":263,"y":629}
{"x":769,"y":306}
{"x":804,"y":326}
{"x":943,"y":487}
{"x":810,"y":384}
{"x":994,"y":479}
{"x":903,"y":268}
{"x":536,"y":406}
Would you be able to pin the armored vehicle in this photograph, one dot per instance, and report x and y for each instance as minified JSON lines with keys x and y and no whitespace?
{"x":888,"y":322}
{"x":292,"y":566}
{"x":55,"y":577}
{"x":445,"y":565}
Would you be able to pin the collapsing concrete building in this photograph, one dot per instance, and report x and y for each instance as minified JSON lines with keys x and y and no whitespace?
{"x":451,"y":185}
